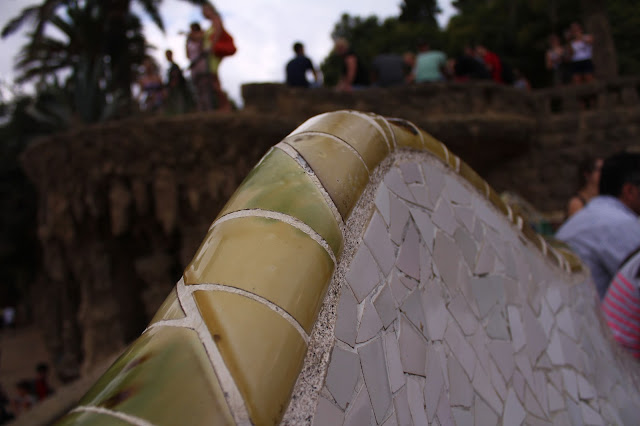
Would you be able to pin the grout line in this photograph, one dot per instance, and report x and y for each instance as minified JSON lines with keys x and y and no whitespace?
{"x":375,"y":124}
{"x":182,"y":322}
{"x":289,"y":220}
{"x":291,"y":152}
{"x":394,"y":143}
{"x":137,"y":421}
{"x":191,"y":288}
{"x":457,"y":168}
{"x":231,"y":392}
{"x":509,"y":212}
{"x":337,"y":139}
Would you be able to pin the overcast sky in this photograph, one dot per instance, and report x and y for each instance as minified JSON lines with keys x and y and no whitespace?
{"x":264,"y":31}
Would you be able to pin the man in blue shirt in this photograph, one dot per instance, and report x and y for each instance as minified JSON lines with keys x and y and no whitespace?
{"x":297,"y":68}
{"x":607,"y":229}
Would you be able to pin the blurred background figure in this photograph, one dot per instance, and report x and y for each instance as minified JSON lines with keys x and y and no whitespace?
{"x":389,"y":69}
{"x":198,"y":68}
{"x":212,"y":34}
{"x":151,"y":94}
{"x":298,"y":67}
{"x":555,"y":59}
{"x":431,"y":65}
{"x":581,"y":54}
{"x":353,"y":73}
{"x":588,"y":184}
{"x":41,"y":385}
{"x":178,"y":97}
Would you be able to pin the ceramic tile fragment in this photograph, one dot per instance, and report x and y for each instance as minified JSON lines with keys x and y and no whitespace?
{"x":425,"y":226}
{"x":434,"y":386}
{"x":497,"y":380}
{"x":465,"y":216}
{"x":497,"y":325}
{"x":435,"y":310}
{"x":412,"y":308}
{"x":90,"y":418}
{"x":434,"y":179}
{"x":377,"y":239}
{"x":461,"y":348}
{"x":556,"y":401}
{"x":421,"y":195}
{"x":483,"y":414}
{"x":401,"y":407}
{"x":535,"y":335}
{"x":445,"y":256}
{"x":393,"y":361}
{"x":462,"y":417}
{"x":532,"y":405}
{"x":399,"y":217}
{"x":170,"y":309}
{"x":444,"y":414}
{"x":463,"y":315}
{"x":488,"y":291}
{"x":575,"y":413}
{"x":546,"y":318}
{"x":467,"y":245}
{"x":363,"y":273}
{"x":482,"y":385}
{"x":413,"y":349}
{"x":479,"y":343}
{"x":518,"y":384}
{"x":444,"y":218}
{"x":408,"y":282}
{"x":382,"y":203}
{"x":408,"y":256}
{"x":585,"y":389}
{"x":456,"y":191}
{"x":395,"y":182}
{"x":554,"y":298}
{"x":517,"y":329}
{"x":589,"y":415}
{"x":514,"y":413}
{"x":327,"y":414}
{"x":385,"y":305}
{"x":411,"y":173}
{"x":370,"y":323}
{"x":522,"y":362}
{"x":460,"y":390}
{"x":486,"y":260}
{"x":554,"y":350}
{"x":570,"y":383}
{"x":398,"y":290}
{"x":342,"y":375}
{"x":540,"y":390}
{"x":360,"y":413}
{"x":565,"y":323}
{"x":502,"y":354}
{"x":347,"y":317}
{"x":375,"y":377}
{"x":416,"y":401}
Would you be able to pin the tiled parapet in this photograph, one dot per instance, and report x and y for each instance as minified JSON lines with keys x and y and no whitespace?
{"x":364,"y":274}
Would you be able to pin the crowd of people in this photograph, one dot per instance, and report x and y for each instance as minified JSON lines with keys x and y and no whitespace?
{"x":29,"y":392}
{"x":203,"y":91}
{"x":603,"y":229}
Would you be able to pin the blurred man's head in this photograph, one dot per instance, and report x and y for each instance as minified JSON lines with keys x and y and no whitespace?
{"x":620,"y":178}
{"x":298,"y":48}
{"x":341,"y":46}
{"x":169,"y":55}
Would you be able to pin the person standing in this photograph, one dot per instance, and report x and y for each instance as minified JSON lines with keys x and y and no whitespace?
{"x":581,"y":54}
{"x":198,"y":68}
{"x":211,"y":38}
{"x":554,"y":59}
{"x":297,"y":68}
{"x":354,"y":74}
{"x":491,"y":61}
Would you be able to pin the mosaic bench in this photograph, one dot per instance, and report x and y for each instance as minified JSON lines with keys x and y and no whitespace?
{"x":362,"y":274}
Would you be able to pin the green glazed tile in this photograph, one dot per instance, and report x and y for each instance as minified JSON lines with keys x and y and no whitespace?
{"x":405,"y":134}
{"x":352,"y":128}
{"x":165,"y":377}
{"x":90,"y":418}
{"x":437,"y":148}
{"x":382,"y":122}
{"x":279,"y":184}
{"x":170,"y":309}
{"x":263,"y":352}
{"x":338,"y":168}
{"x":269,"y":258}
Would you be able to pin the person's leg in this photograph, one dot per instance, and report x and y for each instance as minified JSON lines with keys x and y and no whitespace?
{"x":223,"y":101}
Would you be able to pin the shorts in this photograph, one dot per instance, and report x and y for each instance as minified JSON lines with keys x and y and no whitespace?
{"x":582,"y":67}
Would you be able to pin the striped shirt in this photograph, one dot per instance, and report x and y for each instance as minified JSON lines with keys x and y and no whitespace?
{"x":621,"y":305}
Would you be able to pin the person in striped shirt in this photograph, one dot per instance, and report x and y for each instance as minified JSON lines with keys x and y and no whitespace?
{"x":621,"y":305}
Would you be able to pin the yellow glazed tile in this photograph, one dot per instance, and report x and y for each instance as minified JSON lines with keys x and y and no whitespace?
{"x":279,"y":184}
{"x":263,"y":352}
{"x":338,"y":168}
{"x":437,"y":148}
{"x":269,"y":258}
{"x":353,"y":128}
{"x":532,"y":235}
{"x":497,"y":202}
{"x":405,"y":134}
{"x":170,"y":309}
{"x":386,"y":129}
{"x":473,"y":178}
{"x":164,"y":377}
{"x":90,"y":418}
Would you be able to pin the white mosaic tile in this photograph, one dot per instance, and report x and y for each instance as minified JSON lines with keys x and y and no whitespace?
{"x":347,"y":317}
{"x":411,"y":173}
{"x":460,"y":348}
{"x":570,"y":383}
{"x":421,"y":195}
{"x":462,"y":417}
{"x":401,"y":407}
{"x":556,"y":401}
{"x":554,"y":350}
{"x":532,"y":404}
{"x":479,"y":343}
{"x":377,"y":239}
{"x":463,"y":315}
{"x":565,"y":323}
{"x":342,"y":375}
{"x":391,"y":421}
{"x":385,"y":305}
{"x":370,"y":324}
{"x":484,"y":388}
{"x":363,"y":275}
{"x":444,"y":414}
{"x":435,"y":310}
{"x":416,"y":401}
{"x":460,"y":390}
{"x":425,"y":226}
{"x":546,"y":318}
{"x":517,"y":328}
{"x":502,"y":354}
{"x":434,"y":180}
{"x":408,"y":257}
{"x":518,"y":384}
{"x":465,"y":216}
{"x":486,"y":260}
{"x":585,"y":389}
{"x":536,"y":338}
{"x":408,"y":282}
{"x":393,"y":362}
{"x":412,"y":308}
{"x":483,"y":414}
{"x":382,"y":203}
{"x":498,"y":380}
{"x":575,"y":413}
{"x":456,"y":191}
{"x":467,"y":246}
{"x":497,"y":325}
{"x":489,"y":292}
{"x":446,"y":255}
{"x":444,"y":218}
{"x":398,"y":290}
{"x":540,"y":390}
{"x":590,"y":416}
{"x":435,"y":384}
{"x":360,"y":413}
{"x":396,"y":184}
{"x":374,"y":371}
{"x":399,"y":218}
{"x":514,"y":412}
{"x":413,"y":349}
{"x":522,"y":362}
{"x":554,"y":298}
{"x":327,"y":414}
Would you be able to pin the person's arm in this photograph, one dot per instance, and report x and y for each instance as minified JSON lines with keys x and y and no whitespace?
{"x":574,"y":205}
{"x":216,"y":22}
{"x":351,"y":63}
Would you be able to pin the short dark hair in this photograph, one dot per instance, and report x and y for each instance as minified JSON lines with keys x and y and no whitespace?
{"x":586,"y":166}
{"x":620,"y":168}
{"x":195,"y":26}
{"x":297,"y":47}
